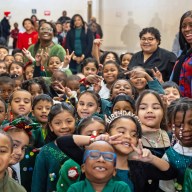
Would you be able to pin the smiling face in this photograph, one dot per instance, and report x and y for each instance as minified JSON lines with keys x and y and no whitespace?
{"x":5,"y":154}
{"x":41,"y":111}
{"x":20,"y":143}
{"x":110,"y":73}
{"x":121,"y":87}
{"x":186,"y":29}
{"x":148,"y":43}
{"x":28,"y":25}
{"x":8,"y":60}
{"x":150,"y":111}
{"x":16,"y":69}
{"x":87,"y":105}
{"x":171,"y":94}
{"x":129,"y":135}
{"x":125,"y":61}
{"x":99,"y":170}
{"x":63,"y":124}
{"x":186,"y":139}
{"x":46,"y":32}
{"x":78,"y":23}
{"x":54,"y":64}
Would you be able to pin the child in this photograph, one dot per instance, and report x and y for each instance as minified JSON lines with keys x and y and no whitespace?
{"x":61,"y":121}
{"x":28,"y":71}
{"x":16,"y":68}
{"x":40,"y":109}
{"x":17,"y":81}
{"x":14,"y":34}
{"x":151,"y":112}
{"x":6,"y":87}
{"x":29,"y":37}
{"x":70,"y":171}
{"x":19,"y":57}
{"x":3,"y":111}
{"x":35,"y":86}
{"x":20,"y":103}
{"x":124,"y":130}
{"x":123,"y":103}
{"x":171,"y":91}
{"x":99,"y":168}
{"x":72,"y":82}
{"x":88,"y":103}
{"x":8,"y":60}
{"x":89,"y":66}
{"x":141,"y":80}
{"x":3,"y":52}
{"x":125,"y":59}
{"x":180,"y":114}
{"x":6,"y":149}
{"x":110,"y":74}
{"x":3,"y":67}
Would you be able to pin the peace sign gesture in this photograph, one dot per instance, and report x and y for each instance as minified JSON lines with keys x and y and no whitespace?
{"x":142,"y":154}
{"x":67,"y":58}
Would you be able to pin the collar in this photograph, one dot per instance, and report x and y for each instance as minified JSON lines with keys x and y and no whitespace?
{"x":182,"y":150}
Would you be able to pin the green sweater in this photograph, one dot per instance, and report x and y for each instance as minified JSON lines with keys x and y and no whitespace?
{"x":69,"y":174}
{"x":112,"y":186}
{"x":8,"y":184}
{"x":47,"y":166}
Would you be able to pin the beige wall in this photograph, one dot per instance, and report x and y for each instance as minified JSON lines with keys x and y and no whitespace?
{"x":121,"y":20}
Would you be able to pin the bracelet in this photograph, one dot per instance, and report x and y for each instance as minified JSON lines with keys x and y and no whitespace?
{"x":84,"y":82}
{"x":93,"y":137}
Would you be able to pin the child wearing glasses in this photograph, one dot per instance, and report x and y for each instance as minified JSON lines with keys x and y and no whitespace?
{"x":99,"y":162}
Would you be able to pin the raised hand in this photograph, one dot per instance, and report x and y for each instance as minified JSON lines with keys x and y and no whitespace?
{"x":67,"y":58}
{"x":98,"y":42}
{"x":141,"y":154}
{"x":113,"y":140}
{"x":28,"y":54}
{"x":93,"y":79}
{"x":157,"y":74}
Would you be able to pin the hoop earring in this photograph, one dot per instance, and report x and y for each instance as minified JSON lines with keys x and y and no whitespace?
{"x":173,"y":136}
{"x":181,"y":131}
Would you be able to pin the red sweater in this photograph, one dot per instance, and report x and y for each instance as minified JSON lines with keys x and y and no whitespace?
{"x":25,"y":39}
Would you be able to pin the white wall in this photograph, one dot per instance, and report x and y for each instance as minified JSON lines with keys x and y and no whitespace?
{"x":115,"y":17}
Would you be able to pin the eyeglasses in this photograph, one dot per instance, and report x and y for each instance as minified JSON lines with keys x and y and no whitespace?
{"x":46,"y":30}
{"x":150,"y":39}
{"x":95,"y":154}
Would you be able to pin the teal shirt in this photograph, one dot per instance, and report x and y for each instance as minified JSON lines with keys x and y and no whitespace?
{"x":78,"y":48}
{"x":111,"y":186}
{"x":47,"y":166}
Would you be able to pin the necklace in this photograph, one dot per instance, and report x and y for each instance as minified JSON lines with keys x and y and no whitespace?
{"x":153,"y":142}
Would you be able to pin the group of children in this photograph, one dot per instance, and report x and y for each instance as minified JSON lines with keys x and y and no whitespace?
{"x":103,"y":129}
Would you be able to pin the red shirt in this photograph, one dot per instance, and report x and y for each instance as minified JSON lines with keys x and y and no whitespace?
{"x":25,"y":39}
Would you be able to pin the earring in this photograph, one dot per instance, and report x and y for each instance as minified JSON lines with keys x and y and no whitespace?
{"x":181,"y":131}
{"x":173,"y":135}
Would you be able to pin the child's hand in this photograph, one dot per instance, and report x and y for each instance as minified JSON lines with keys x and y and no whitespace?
{"x":134,"y":74}
{"x":111,"y":139}
{"x":28,"y":54}
{"x":67,"y":58}
{"x":157,"y":74}
{"x":68,"y":92}
{"x":97,"y":87}
{"x":45,"y":57}
{"x":98,"y":42}
{"x":60,"y":87}
{"x":93,"y":79}
{"x":142,"y":154}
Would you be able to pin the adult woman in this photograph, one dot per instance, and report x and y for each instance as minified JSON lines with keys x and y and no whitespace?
{"x":45,"y":45}
{"x":182,"y":73}
{"x":152,"y":55}
{"x":80,"y":40}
